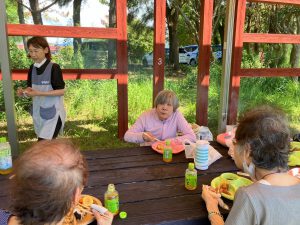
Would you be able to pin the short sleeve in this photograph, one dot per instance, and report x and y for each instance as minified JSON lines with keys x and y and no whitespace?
{"x":242,"y":211}
{"x":29,"y":82}
{"x":57,"y":80}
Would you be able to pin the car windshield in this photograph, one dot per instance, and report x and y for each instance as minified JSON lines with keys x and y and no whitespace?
{"x":191,"y":48}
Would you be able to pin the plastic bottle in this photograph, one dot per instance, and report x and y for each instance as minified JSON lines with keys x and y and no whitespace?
{"x":5,"y":157}
{"x":191,"y":177}
{"x":111,"y":199}
{"x":168,"y":153}
{"x":201,"y":155}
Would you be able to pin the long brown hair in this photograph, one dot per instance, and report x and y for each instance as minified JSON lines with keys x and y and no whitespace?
{"x":46,"y":178}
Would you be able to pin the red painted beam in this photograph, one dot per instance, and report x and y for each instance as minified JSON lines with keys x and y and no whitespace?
{"x":270,"y":72}
{"x":73,"y":74}
{"x":122,"y":67}
{"x":271,"y":38}
{"x":159,"y":46}
{"x":281,"y":2}
{"x":60,"y":31}
{"x":205,"y":34}
{"x":236,"y":60}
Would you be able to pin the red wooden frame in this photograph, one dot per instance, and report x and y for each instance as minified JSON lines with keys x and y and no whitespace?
{"x":205,"y":34}
{"x":159,"y":46}
{"x":239,"y":38}
{"x":120,"y":73}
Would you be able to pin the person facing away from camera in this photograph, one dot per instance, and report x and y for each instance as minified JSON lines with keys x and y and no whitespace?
{"x":261,"y":149}
{"x":47,"y":184}
{"x":162,"y":122}
{"x":46,"y":87}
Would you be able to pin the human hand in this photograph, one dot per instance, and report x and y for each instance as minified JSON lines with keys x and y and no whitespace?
{"x":210,"y":197}
{"x":148,"y":137}
{"x":31,"y":92}
{"x":105,"y":219}
{"x":20,"y":91}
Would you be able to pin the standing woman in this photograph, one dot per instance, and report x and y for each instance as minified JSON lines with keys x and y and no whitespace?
{"x":45,"y":85}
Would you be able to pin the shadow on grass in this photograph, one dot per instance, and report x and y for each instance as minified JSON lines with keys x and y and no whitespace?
{"x":87,"y":134}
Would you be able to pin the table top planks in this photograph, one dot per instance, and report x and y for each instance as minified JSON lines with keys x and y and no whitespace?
{"x":151,"y":191}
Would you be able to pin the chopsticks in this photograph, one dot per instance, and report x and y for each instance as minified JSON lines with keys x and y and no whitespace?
{"x":89,"y":210}
{"x":85,"y":209}
{"x":151,"y":137}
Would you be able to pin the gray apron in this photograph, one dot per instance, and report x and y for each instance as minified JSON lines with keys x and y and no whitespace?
{"x":46,"y":109}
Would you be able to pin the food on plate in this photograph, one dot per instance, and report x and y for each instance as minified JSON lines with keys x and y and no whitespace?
{"x":223,"y":187}
{"x":160,"y":146}
{"x":87,"y":200}
{"x":82,"y":213}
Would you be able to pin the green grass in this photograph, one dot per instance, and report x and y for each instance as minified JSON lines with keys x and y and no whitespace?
{"x":92,"y":104}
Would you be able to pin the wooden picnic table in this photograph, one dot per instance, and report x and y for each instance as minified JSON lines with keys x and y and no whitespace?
{"x":151,"y":191}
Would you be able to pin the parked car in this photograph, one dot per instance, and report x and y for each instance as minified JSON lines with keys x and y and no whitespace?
{"x":193,"y":52}
{"x":147,"y":59}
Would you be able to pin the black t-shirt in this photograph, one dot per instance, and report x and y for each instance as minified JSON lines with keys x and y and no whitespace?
{"x":57,"y":80}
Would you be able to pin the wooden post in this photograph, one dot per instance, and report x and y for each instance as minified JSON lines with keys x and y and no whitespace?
{"x":122,"y":67}
{"x":9,"y":99}
{"x":236,"y":60}
{"x":227,"y":53}
{"x":159,"y":46}
{"x":205,"y":34}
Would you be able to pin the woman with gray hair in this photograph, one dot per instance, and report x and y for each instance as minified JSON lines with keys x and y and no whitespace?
{"x":47,"y":184}
{"x":261,"y":149}
{"x":161,"y":123}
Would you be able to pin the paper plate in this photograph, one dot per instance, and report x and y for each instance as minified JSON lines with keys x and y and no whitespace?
{"x":87,"y":218}
{"x":234,"y":183}
{"x":159,"y":146}
{"x":295,"y":172}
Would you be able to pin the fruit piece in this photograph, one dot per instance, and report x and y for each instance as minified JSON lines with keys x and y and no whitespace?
{"x":87,"y":201}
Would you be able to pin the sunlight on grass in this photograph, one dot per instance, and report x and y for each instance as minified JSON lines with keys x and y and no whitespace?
{"x":92,"y":104}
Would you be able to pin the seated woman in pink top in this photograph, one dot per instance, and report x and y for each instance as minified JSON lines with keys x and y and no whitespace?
{"x":162,"y":122}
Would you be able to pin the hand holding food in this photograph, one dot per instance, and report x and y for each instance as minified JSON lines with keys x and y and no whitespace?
{"x":148,"y":137}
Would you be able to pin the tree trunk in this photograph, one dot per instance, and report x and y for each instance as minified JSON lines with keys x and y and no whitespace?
{"x":111,"y":43}
{"x":172,"y":20}
{"x":76,"y":23}
{"x":36,"y":13}
{"x":22,"y":21}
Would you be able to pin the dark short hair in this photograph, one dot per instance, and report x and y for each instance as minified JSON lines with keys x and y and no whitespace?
{"x":39,"y":42}
{"x":165,"y":97}
{"x":46,"y":177}
{"x":266,"y":130}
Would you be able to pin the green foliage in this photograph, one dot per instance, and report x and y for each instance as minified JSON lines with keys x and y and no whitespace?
{"x":140,"y":41}
{"x":18,"y":57}
{"x":66,"y":59}
{"x":11,"y":9}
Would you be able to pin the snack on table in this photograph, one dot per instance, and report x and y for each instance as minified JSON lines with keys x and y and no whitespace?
{"x":160,"y":146}
{"x":223,"y":187}
{"x":228,"y":183}
{"x":82,"y":214}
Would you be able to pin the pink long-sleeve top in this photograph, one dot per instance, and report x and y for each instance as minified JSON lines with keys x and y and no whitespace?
{"x":162,"y":130}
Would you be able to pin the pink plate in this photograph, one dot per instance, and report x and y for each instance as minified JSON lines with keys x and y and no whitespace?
{"x":295,"y":172}
{"x":177,"y":146}
{"x":223,"y":138}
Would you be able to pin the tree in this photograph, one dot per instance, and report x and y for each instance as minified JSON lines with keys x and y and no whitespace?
{"x":36,"y":11}
{"x":172,"y":14}
{"x":76,"y":22}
